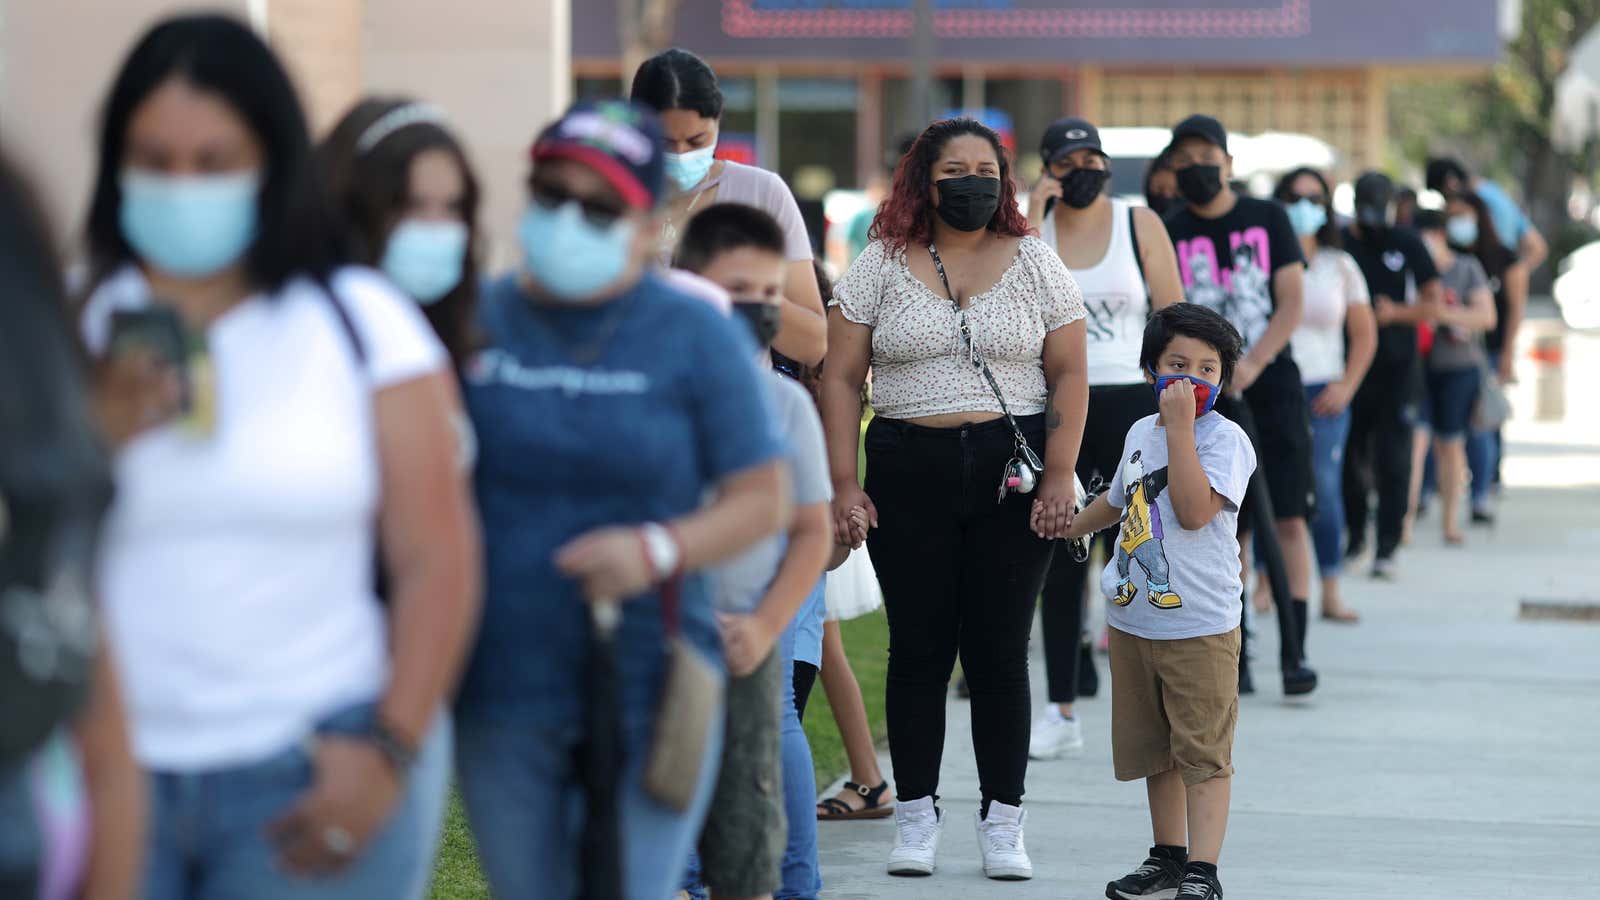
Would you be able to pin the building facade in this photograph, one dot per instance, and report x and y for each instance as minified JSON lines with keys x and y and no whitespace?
{"x":826,"y":83}
{"x":500,"y":69}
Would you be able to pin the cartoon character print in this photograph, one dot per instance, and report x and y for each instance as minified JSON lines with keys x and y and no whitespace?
{"x":1140,"y":538}
{"x":1204,"y":288}
{"x":1250,"y":300}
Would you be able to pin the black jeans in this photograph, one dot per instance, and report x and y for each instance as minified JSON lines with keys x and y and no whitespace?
{"x":1112,"y":411}
{"x":1378,"y":455}
{"x":960,"y":574}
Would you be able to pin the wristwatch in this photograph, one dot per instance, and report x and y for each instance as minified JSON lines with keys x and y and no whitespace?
{"x":398,"y":752}
{"x":662,"y":550}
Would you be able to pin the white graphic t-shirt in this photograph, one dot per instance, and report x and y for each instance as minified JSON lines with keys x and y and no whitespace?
{"x":1165,"y":582}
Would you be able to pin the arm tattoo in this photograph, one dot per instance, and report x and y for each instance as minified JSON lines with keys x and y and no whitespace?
{"x":1052,"y":416}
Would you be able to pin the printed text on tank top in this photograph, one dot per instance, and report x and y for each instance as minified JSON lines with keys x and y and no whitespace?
{"x":1114,"y":295}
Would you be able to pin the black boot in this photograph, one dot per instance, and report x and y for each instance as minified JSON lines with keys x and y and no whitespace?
{"x":1302,"y":616}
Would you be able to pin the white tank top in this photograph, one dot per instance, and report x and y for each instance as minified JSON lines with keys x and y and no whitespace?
{"x":1118,"y":302}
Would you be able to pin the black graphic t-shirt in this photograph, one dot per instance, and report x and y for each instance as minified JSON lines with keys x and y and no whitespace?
{"x":1391,"y":260}
{"x":1227,"y":263}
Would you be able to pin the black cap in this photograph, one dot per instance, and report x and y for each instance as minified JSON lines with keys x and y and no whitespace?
{"x":1374,"y":193}
{"x":1067,"y":135}
{"x":619,"y":139}
{"x":1201,"y":126}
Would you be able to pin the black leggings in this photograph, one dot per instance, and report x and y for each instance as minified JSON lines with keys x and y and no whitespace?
{"x":805,"y":678}
{"x":1112,"y":411}
{"x":960,"y":574}
{"x":1377,"y":456}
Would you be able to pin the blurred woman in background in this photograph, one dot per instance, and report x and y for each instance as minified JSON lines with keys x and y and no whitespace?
{"x":284,"y":715}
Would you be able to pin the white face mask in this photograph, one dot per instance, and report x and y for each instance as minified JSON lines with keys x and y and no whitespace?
{"x":689,"y":169}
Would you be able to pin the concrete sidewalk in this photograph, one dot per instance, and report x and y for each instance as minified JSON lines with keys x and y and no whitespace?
{"x":1451,"y":751}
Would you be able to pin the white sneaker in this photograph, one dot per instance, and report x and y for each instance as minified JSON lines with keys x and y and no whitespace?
{"x":916,"y":843}
{"x":1054,"y":735}
{"x":1000,"y":842}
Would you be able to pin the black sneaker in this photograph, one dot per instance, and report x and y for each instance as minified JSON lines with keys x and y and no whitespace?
{"x":1156,"y":879}
{"x":1482,"y":517}
{"x":1301,"y":680}
{"x":1199,"y":886}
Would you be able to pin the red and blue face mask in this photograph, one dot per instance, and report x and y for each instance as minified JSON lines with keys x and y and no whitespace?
{"x":1205,"y":393}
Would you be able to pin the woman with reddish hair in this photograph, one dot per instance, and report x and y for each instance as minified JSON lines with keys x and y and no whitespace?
{"x":974,"y":331}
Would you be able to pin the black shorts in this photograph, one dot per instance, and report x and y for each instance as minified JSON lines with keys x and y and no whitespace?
{"x":1280,"y":429}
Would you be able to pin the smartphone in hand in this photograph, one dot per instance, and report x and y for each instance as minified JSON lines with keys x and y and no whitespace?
{"x":159,"y":330}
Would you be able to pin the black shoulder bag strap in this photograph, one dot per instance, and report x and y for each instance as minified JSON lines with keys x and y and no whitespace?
{"x":1028,"y":456}
{"x":1138,"y":258}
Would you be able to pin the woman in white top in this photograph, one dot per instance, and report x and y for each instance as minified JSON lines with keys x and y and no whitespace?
{"x":1125,"y":266}
{"x":681,"y":88}
{"x":277,"y":705}
{"x":952,"y":304}
{"x":1333,"y":348}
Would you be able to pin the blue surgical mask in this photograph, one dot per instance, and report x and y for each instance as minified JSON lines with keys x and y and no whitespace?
{"x":190,"y":226}
{"x":689,"y":169}
{"x":425,"y":258}
{"x":1462,"y":230}
{"x":1307,"y":217}
{"x":571,"y":258}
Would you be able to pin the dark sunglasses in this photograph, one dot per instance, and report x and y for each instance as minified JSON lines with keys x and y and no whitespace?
{"x":599,"y":213}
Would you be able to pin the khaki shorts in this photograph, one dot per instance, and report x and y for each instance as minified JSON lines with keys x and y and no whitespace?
{"x":746,"y":831}
{"x":1174,"y":705}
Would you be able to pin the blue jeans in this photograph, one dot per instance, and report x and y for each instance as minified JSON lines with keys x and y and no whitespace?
{"x":208,"y":830}
{"x":802,"y":874}
{"x":1483,"y":454}
{"x":1328,"y":435}
{"x":521,"y":787}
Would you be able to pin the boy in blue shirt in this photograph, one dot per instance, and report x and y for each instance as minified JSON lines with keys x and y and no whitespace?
{"x":766,"y":763}
{"x":1174,"y":588}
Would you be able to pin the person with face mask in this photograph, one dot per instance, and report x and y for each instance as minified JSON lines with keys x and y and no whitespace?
{"x":683,"y":90}
{"x":1470,"y":228}
{"x":743,"y":851}
{"x":1333,"y":348}
{"x":1455,"y":363}
{"x":1161,"y":185}
{"x":1383,"y":411}
{"x":403,"y":183}
{"x":1240,"y":256}
{"x":286,"y":409}
{"x":974,"y":332}
{"x":1123,"y":262}
{"x":618,"y":460}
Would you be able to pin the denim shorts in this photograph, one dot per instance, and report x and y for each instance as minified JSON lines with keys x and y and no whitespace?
{"x":1450,"y":397}
{"x":208,"y":830}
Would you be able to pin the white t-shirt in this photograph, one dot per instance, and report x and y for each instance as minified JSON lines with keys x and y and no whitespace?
{"x":1333,"y":283}
{"x":1116,"y":300}
{"x":237,"y":568}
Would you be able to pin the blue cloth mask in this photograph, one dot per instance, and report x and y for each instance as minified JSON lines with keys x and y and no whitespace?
{"x":571,"y":258}
{"x":1462,"y":230}
{"x":689,"y":169}
{"x":426,"y":258}
{"x":1205,"y":393}
{"x":1307,"y":217}
{"x":189,"y":226}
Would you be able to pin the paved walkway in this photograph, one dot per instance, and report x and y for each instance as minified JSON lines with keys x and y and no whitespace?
{"x":1453,"y":749}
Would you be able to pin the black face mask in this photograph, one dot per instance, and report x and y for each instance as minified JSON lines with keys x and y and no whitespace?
{"x":1200,"y":184}
{"x":761,"y":318}
{"x":1163,"y":205}
{"x":969,"y":202}
{"x":1373,"y":219}
{"x":1082,"y":187}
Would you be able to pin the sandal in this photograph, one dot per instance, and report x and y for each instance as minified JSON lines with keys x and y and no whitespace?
{"x":834,"y":809}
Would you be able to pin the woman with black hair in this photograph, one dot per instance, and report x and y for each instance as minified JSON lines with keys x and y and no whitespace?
{"x":683,"y":90}
{"x":974,"y":331}
{"x":71,"y":797}
{"x":284,"y":715}
{"x":404,"y":185}
{"x":1333,"y":346}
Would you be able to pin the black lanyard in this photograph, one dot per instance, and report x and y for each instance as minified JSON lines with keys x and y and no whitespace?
{"x":982,"y":365}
